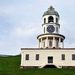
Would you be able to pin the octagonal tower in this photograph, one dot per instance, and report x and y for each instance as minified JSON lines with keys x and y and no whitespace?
{"x":51,"y":37}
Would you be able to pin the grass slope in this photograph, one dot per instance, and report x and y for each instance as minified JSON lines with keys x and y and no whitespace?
{"x":11,"y":66}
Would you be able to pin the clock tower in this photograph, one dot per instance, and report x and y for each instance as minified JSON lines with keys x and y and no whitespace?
{"x":50,"y":52}
{"x":51,"y":37}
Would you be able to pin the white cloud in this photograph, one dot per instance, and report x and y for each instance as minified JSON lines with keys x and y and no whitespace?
{"x":7,"y":12}
{"x":68,"y":30}
{"x":69,"y":45}
{"x":26,"y":30}
{"x":23,"y":23}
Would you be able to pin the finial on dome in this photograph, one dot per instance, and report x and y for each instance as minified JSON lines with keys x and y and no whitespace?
{"x":51,"y":7}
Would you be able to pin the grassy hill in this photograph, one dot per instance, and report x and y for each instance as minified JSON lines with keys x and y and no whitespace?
{"x":11,"y":66}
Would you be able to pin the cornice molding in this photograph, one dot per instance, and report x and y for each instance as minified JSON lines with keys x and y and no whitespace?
{"x":51,"y":34}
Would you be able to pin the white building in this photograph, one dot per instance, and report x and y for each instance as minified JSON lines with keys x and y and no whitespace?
{"x":50,"y":51}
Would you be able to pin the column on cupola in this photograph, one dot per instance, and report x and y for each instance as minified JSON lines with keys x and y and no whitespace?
{"x":53,"y":41}
{"x":54,"y":19}
{"x":38,"y":43}
{"x":41,"y":43}
{"x":63,"y":44}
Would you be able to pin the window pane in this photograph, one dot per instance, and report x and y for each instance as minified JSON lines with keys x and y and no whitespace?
{"x":56,"y":29}
{"x":50,"y":59}
{"x":63,"y":56}
{"x":57,"y":43}
{"x":27,"y":56}
{"x":50,"y":43}
{"x":73,"y":56}
{"x":44,"y":29}
{"x":44,"y":44}
{"x":37,"y":56}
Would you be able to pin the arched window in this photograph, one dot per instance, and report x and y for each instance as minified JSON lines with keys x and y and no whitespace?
{"x":44,"y":20}
{"x":56,"y":20}
{"x":44,"y":29}
{"x":50,"y":43}
{"x":57,"y":29}
{"x":50,"y":19}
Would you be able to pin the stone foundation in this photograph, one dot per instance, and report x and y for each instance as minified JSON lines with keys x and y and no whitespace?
{"x":71,"y":67}
{"x":28,"y":67}
{"x":68,"y":67}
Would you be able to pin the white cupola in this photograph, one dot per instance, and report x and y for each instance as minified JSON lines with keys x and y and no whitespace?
{"x":51,"y":37}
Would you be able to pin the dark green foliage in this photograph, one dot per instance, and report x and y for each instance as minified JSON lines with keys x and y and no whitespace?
{"x":11,"y":66}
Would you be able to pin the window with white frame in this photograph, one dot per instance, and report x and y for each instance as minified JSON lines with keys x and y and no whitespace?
{"x":37,"y":56}
{"x":73,"y":56}
{"x":63,"y":56}
{"x":27,"y":56}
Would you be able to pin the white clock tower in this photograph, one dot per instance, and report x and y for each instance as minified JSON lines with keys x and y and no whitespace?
{"x":50,"y":51}
{"x":51,"y":37}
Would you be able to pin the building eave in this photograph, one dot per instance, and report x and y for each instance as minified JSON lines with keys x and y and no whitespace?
{"x":47,"y":48}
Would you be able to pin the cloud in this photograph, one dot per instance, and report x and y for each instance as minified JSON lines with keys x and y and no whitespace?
{"x":68,"y":30}
{"x":26,"y":30}
{"x":21,"y":23}
{"x":6,"y":12}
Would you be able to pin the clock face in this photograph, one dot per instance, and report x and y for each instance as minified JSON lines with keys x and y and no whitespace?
{"x":50,"y":28}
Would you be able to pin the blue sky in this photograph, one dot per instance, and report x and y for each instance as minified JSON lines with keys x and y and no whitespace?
{"x":21,"y":23}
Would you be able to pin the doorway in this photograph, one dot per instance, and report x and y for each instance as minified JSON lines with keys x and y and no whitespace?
{"x":50,"y":59}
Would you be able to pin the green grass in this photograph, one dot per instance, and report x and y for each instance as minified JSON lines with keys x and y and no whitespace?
{"x":11,"y":66}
